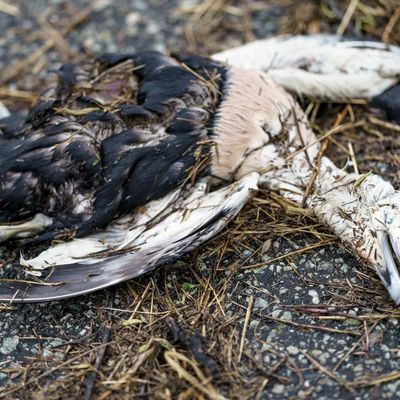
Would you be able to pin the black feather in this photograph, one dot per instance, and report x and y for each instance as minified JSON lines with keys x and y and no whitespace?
{"x":389,"y":101}
{"x":12,"y":126}
{"x":138,"y":145}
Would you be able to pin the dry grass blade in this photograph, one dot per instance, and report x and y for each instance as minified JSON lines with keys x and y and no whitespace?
{"x":130,"y":373}
{"x":393,"y":21}
{"x":91,"y":379}
{"x":325,"y":371}
{"x":245,"y":326}
{"x":199,"y":381}
{"x":59,"y":41}
{"x":384,"y":124}
{"x":370,"y":381}
{"x":9,"y":9}
{"x":293,"y":253}
{"x":347,"y":17}
{"x":21,"y":95}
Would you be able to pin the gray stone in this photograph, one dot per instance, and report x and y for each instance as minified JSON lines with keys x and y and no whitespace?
{"x":314,"y":296}
{"x":56,"y":342}
{"x":276,"y":313}
{"x":292,"y":350}
{"x":278,"y":388}
{"x":260,"y":303}
{"x":9,"y":345}
{"x":287,"y":316}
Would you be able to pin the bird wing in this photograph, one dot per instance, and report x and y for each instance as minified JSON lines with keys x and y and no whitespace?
{"x":168,"y":228}
{"x":324,"y":66}
{"x":108,"y":136}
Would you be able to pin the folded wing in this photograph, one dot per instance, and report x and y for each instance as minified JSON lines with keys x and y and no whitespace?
{"x":167,"y":229}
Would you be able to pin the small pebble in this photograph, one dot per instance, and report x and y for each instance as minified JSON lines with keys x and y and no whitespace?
{"x":315,"y":297}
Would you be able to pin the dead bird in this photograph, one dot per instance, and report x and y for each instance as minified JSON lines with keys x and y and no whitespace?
{"x":132,"y":160}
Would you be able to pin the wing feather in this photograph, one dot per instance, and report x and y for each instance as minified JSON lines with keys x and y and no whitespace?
{"x":166,"y":236}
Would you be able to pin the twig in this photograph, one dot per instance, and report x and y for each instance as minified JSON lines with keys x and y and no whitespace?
{"x":65,"y":50}
{"x":385,"y":124}
{"x":9,"y":9}
{"x":395,"y":375}
{"x":245,"y":326}
{"x":292,"y":253}
{"x":315,"y":173}
{"x":343,"y":359}
{"x":347,"y":17}
{"x":326,"y":371}
{"x":353,"y":158}
{"x":91,"y":379}
{"x":15,"y":94}
{"x":305,"y":326}
{"x":390,"y":25}
{"x":340,"y":128}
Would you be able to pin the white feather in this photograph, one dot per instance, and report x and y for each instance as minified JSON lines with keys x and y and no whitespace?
{"x":161,"y":222}
{"x":323,"y":66}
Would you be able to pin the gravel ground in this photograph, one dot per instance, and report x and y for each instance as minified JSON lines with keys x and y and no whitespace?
{"x":275,"y":288}
{"x":296,"y":352}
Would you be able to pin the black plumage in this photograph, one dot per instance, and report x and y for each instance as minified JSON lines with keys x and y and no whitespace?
{"x":389,"y":101}
{"x":115,"y":133}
